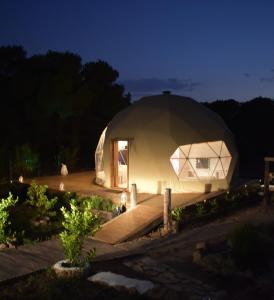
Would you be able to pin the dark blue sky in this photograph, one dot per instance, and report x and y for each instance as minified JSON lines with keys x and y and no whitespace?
{"x":202,"y":48}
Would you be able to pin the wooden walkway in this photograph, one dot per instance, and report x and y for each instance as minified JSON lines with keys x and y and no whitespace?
{"x":146,"y":216}
{"x":129,"y":224}
{"x":143,"y":218}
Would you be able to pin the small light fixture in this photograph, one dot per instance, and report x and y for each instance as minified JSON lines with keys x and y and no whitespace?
{"x":21,"y":179}
{"x":124,"y":198}
{"x":61,"y":186}
{"x":245,"y":186}
{"x":11,"y":181}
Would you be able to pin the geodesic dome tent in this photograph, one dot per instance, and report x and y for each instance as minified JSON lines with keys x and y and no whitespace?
{"x":166,"y":141}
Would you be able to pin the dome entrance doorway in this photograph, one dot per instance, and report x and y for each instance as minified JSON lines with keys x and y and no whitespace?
{"x":120,"y":165}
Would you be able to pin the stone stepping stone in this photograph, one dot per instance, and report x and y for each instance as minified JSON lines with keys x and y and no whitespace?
{"x":117,"y":280}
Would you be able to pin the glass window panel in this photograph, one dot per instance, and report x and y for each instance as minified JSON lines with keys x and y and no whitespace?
{"x":218,"y":172}
{"x":201,"y":167}
{"x":177,"y":165}
{"x":185,"y":149}
{"x":226,"y":163}
{"x":216,"y":147}
{"x":99,"y":165}
{"x":201,"y":150}
{"x":224,"y":151}
{"x":203,"y":161}
{"x":213,"y":164}
{"x":177,"y":154}
{"x":187,"y":172}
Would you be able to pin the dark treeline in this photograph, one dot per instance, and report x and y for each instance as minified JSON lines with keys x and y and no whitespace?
{"x":252,"y":123}
{"x":53,"y":109}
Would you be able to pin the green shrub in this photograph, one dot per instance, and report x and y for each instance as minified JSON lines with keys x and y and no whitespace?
{"x":78,"y":223}
{"x":200,"y":208}
{"x":37,"y":198}
{"x":251,"y":246}
{"x":5,"y":204}
{"x":177,"y":214}
{"x":99,"y":203}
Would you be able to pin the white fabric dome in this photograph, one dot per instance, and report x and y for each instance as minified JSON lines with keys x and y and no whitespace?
{"x":166,"y":141}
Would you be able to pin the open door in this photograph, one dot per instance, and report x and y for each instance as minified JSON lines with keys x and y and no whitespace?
{"x":120,"y":164}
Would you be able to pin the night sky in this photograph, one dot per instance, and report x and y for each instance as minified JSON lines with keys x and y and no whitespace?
{"x":200,"y":48}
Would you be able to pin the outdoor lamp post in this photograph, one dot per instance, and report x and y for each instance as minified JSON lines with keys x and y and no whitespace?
{"x":21,"y":179}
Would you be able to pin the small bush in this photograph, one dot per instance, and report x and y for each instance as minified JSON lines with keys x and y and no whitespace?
{"x":37,"y":198}
{"x":177,"y":214}
{"x":78,"y":223}
{"x":201,"y":208}
{"x":5,"y":204}
{"x":99,"y":203}
{"x":251,"y":246}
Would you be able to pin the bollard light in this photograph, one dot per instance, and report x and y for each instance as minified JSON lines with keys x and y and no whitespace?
{"x":61,"y":186}
{"x":124,"y":198}
{"x":21,"y":179}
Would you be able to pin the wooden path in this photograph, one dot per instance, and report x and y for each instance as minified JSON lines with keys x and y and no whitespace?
{"x":146,"y":216}
{"x":143,"y":218}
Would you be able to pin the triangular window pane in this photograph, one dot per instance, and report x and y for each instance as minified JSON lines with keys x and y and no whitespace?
{"x":187,"y":172}
{"x":218,"y":172}
{"x":213,"y":165}
{"x":177,"y":164}
{"x":201,"y":150}
{"x":177,"y":154}
{"x":226,"y":163}
{"x":185,"y":149}
{"x":216,"y":147}
{"x":224,"y":151}
{"x":201,"y":166}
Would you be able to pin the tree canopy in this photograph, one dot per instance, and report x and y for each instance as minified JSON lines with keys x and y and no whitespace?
{"x":55,"y":106}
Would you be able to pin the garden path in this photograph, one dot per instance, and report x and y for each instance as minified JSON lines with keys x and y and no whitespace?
{"x":17,"y":262}
{"x":172,"y":250}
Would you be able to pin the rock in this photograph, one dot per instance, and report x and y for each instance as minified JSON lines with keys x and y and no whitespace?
{"x":116,"y":280}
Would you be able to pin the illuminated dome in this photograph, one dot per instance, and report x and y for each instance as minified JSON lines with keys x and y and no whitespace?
{"x":166,"y":141}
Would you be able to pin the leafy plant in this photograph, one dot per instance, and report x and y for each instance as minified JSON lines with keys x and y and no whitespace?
{"x":177,"y":213}
{"x":200,"y":208}
{"x":99,"y":203}
{"x":37,"y":198}
{"x":78,"y":223}
{"x":5,"y":204}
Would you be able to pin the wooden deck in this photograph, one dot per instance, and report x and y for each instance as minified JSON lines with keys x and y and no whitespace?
{"x":136,"y":222}
{"x":144,"y":217}
{"x":128,"y":225}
